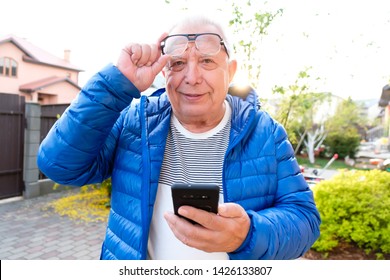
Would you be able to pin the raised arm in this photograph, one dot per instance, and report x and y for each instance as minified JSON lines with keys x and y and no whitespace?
{"x":80,"y":147}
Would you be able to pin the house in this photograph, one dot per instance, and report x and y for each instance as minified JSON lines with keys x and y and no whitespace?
{"x":384,"y":103}
{"x":36,"y":74}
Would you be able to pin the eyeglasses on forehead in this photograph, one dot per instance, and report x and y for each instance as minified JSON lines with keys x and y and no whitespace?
{"x":205,"y":43}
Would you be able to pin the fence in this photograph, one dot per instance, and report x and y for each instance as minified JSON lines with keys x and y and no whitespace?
{"x":23,"y":126}
{"x":12,"y":124}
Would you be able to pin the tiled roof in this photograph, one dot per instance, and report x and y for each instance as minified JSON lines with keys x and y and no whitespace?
{"x":36,"y":85}
{"x":36,"y":55}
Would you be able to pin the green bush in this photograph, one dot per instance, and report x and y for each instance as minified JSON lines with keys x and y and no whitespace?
{"x":355,"y":208}
{"x":343,"y":144}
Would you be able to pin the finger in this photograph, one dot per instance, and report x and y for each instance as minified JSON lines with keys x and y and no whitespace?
{"x":136,"y":53}
{"x":202,"y":217}
{"x":191,"y":235}
{"x":160,"y":39}
{"x":154,"y":54}
{"x":145,"y":55}
{"x":128,"y":49}
{"x":179,"y":227}
{"x":158,"y":60}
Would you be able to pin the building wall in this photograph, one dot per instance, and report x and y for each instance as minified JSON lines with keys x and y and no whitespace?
{"x":57,"y":94}
{"x":31,"y":72}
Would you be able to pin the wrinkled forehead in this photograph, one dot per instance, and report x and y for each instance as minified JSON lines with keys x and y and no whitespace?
{"x":193,"y":29}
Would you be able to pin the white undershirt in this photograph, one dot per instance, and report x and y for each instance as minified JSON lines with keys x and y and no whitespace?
{"x":183,"y":163}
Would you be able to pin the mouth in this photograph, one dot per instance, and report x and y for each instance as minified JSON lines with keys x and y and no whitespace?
{"x":194,"y":92}
{"x":193,"y":96}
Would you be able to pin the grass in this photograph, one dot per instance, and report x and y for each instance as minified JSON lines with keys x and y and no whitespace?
{"x":321,"y":162}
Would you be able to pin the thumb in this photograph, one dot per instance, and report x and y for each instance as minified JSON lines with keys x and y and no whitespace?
{"x":230,"y":210}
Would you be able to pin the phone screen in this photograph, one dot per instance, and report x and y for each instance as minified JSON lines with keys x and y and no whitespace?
{"x":203,"y":196}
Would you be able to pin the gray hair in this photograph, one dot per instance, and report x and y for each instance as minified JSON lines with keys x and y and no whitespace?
{"x":195,"y":20}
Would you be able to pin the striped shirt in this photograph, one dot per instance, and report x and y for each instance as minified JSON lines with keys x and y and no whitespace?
{"x":195,"y":157}
{"x":189,"y":158}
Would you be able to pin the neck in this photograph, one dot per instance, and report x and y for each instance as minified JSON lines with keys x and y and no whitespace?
{"x":202,"y":124}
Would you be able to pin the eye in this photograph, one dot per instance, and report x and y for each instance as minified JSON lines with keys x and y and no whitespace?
{"x":177,"y":65}
{"x":207,"y":60}
{"x":208,"y":63}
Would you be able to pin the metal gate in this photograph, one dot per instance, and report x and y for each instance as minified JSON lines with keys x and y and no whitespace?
{"x":12,"y":125}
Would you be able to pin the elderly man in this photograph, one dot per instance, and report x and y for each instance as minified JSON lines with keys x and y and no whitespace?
{"x":192,"y":132}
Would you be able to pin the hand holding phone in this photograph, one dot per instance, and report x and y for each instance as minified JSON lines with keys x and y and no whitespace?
{"x":203,"y":196}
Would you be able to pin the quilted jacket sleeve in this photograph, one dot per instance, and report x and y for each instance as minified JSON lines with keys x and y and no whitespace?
{"x":288,"y":228}
{"x":79,"y":148}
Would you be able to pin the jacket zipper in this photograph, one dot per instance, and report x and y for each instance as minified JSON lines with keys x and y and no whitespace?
{"x":145,"y":177}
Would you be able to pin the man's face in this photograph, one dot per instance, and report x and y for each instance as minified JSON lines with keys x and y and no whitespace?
{"x":196,"y":83}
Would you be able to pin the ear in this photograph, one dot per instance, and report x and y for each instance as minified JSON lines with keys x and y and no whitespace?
{"x":232,"y":69}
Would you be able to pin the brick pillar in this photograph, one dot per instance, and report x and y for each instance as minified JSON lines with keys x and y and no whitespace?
{"x":31,"y":144}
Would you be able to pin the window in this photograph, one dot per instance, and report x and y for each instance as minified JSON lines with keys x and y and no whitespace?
{"x":8,"y":67}
{"x":14,"y":68}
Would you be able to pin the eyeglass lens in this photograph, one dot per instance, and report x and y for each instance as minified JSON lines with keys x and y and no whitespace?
{"x":208,"y":44}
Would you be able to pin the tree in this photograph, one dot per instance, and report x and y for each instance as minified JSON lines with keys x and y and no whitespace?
{"x":251,"y":22}
{"x":314,"y":139}
{"x":346,"y":115}
{"x":344,"y":137}
{"x":300,"y":111}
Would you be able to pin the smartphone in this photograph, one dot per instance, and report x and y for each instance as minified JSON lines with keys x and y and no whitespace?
{"x":203,"y":196}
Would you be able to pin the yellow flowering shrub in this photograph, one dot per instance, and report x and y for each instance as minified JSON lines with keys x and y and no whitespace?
{"x":90,"y":204}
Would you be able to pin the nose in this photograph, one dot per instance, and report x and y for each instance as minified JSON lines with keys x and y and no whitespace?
{"x":193,"y":74}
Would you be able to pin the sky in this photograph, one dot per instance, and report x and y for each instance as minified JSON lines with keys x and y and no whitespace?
{"x":345,"y":43}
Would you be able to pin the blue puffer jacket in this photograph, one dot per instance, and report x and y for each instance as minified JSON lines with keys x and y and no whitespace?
{"x":100,"y":136}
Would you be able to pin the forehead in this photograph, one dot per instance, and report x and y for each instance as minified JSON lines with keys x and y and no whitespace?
{"x":193,"y":28}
